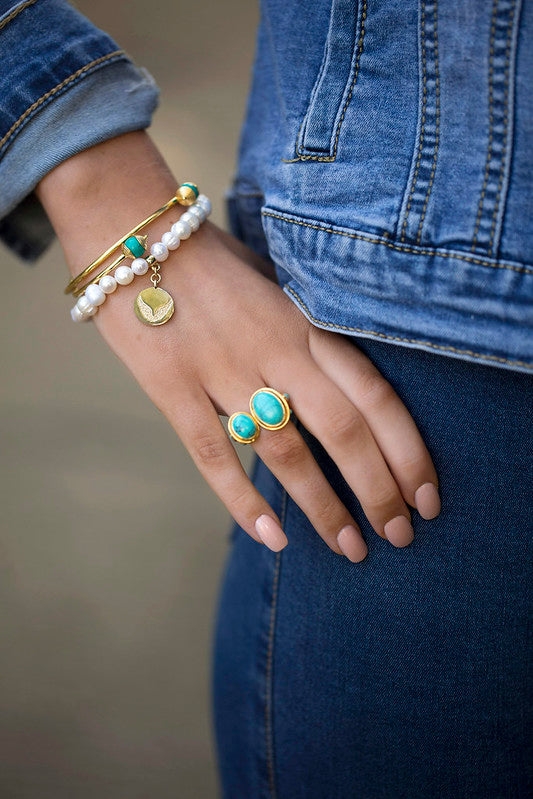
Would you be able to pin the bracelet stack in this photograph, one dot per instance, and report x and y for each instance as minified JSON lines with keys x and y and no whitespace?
{"x":153,"y":305}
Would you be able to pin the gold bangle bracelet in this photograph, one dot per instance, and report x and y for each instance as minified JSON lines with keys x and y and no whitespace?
{"x":79,"y":291}
{"x":75,"y":282}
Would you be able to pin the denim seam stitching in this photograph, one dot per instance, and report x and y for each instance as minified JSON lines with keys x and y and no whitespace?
{"x":437,"y":124}
{"x":401,"y":247}
{"x":504,"y":15}
{"x":422,"y":121}
{"x":38,"y":103}
{"x":491,"y":123}
{"x":303,"y":124}
{"x":440,"y":347}
{"x":507,"y":71}
{"x":15,"y":13}
{"x":330,"y":158}
{"x":269,"y":730}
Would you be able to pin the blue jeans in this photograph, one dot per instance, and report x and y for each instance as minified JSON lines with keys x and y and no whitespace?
{"x":405,"y":675}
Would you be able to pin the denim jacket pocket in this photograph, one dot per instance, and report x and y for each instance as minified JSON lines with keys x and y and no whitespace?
{"x":319,"y":132}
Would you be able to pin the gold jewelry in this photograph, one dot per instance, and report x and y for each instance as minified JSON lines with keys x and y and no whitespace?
{"x":152,"y":306}
{"x":186,"y":194}
{"x":74,"y":283}
{"x":126,"y":253}
{"x":243,"y":428}
{"x":270,"y":408}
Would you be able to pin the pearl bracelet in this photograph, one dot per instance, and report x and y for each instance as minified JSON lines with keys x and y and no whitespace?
{"x":153,"y":306}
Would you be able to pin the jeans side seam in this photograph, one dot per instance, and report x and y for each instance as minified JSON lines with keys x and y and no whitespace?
{"x":269,"y":728}
{"x":16,"y":11}
{"x":92,"y":65}
{"x":405,"y":340}
{"x":434,"y":252}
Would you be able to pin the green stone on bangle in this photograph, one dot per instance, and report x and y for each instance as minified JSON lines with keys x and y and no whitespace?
{"x":134,"y":246}
{"x":192,"y":186}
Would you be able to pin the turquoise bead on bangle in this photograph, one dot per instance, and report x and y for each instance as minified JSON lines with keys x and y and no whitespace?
{"x":134,"y":246}
{"x":270,"y":408}
{"x":243,"y":428}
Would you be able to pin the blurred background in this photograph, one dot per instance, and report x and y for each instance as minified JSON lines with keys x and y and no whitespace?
{"x":110,"y":562}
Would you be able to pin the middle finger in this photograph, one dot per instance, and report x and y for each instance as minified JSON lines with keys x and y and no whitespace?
{"x":332,"y":418}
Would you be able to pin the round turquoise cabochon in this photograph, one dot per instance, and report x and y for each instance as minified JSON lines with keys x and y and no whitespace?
{"x":244,"y":426}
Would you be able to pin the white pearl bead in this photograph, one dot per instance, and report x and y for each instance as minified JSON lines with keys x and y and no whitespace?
{"x":94,"y":294}
{"x":77,"y":315}
{"x":159,"y":251}
{"x":108,"y":284}
{"x":191,"y":219}
{"x":205,"y":202}
{"x":181,"y":229}
{"x":83,"y":304}
{"x":198,"y":211}
{"x":139,"y":266}
{"x":170,"y":240}
{"x":124,"y":275}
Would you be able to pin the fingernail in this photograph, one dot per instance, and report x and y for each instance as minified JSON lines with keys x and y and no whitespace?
{"x":427,"y":501}
{"x":270,"y":533}
{"x":352,"y":543}
{"x":399,"y":531}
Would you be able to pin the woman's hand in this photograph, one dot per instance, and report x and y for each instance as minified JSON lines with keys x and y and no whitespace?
{"x":234,"y":331}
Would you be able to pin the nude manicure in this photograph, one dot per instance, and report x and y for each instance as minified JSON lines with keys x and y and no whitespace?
{"x":270,"y":533}
{"x":352,"y":544}
{"x":399,"y":531}
{"x":427,"y":501}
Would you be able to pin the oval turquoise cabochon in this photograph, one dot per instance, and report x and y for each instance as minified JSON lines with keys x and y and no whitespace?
{"x":268,"y":408}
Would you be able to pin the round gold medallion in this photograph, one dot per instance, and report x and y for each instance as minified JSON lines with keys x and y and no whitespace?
{"x":154,"y":306}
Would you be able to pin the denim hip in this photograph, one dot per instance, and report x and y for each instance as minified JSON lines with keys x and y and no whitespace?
{"x":386,"y":157}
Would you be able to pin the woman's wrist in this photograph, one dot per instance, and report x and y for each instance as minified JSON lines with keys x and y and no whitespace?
{"x":100,"y":193}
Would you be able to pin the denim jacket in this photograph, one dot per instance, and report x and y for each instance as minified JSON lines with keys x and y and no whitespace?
{"x":65,"y":86}
{"x":386,"y":166}
{"x":385,"y":161}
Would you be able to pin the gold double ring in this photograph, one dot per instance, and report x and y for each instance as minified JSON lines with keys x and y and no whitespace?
{"x":269,"y":409}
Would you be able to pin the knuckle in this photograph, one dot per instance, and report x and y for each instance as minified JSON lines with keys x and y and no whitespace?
{"x":286,"y":450}
{"x":381,"y":500}
{"x":413,"y":462}
{"x":210,"y":451}
{"x":328,"y":512}
{"x":242,"y":499}
{"x":344,"y":425}
{"x":374,"y":390}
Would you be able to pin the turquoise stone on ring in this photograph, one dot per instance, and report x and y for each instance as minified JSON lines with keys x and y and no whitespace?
{"x":243,"y":428}
{"x":269,"y":408}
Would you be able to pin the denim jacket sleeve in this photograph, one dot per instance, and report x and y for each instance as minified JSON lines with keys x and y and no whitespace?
{"x":66,"y":85}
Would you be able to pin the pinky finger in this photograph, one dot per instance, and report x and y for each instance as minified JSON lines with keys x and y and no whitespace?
{"x":205,"y":438}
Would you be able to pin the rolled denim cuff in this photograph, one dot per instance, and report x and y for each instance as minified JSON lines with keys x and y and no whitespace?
{"x":66,"y":85}
{"x":113,"y":100}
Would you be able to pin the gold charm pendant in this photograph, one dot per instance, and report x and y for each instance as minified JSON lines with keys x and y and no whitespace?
{"x":154,"y":306}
